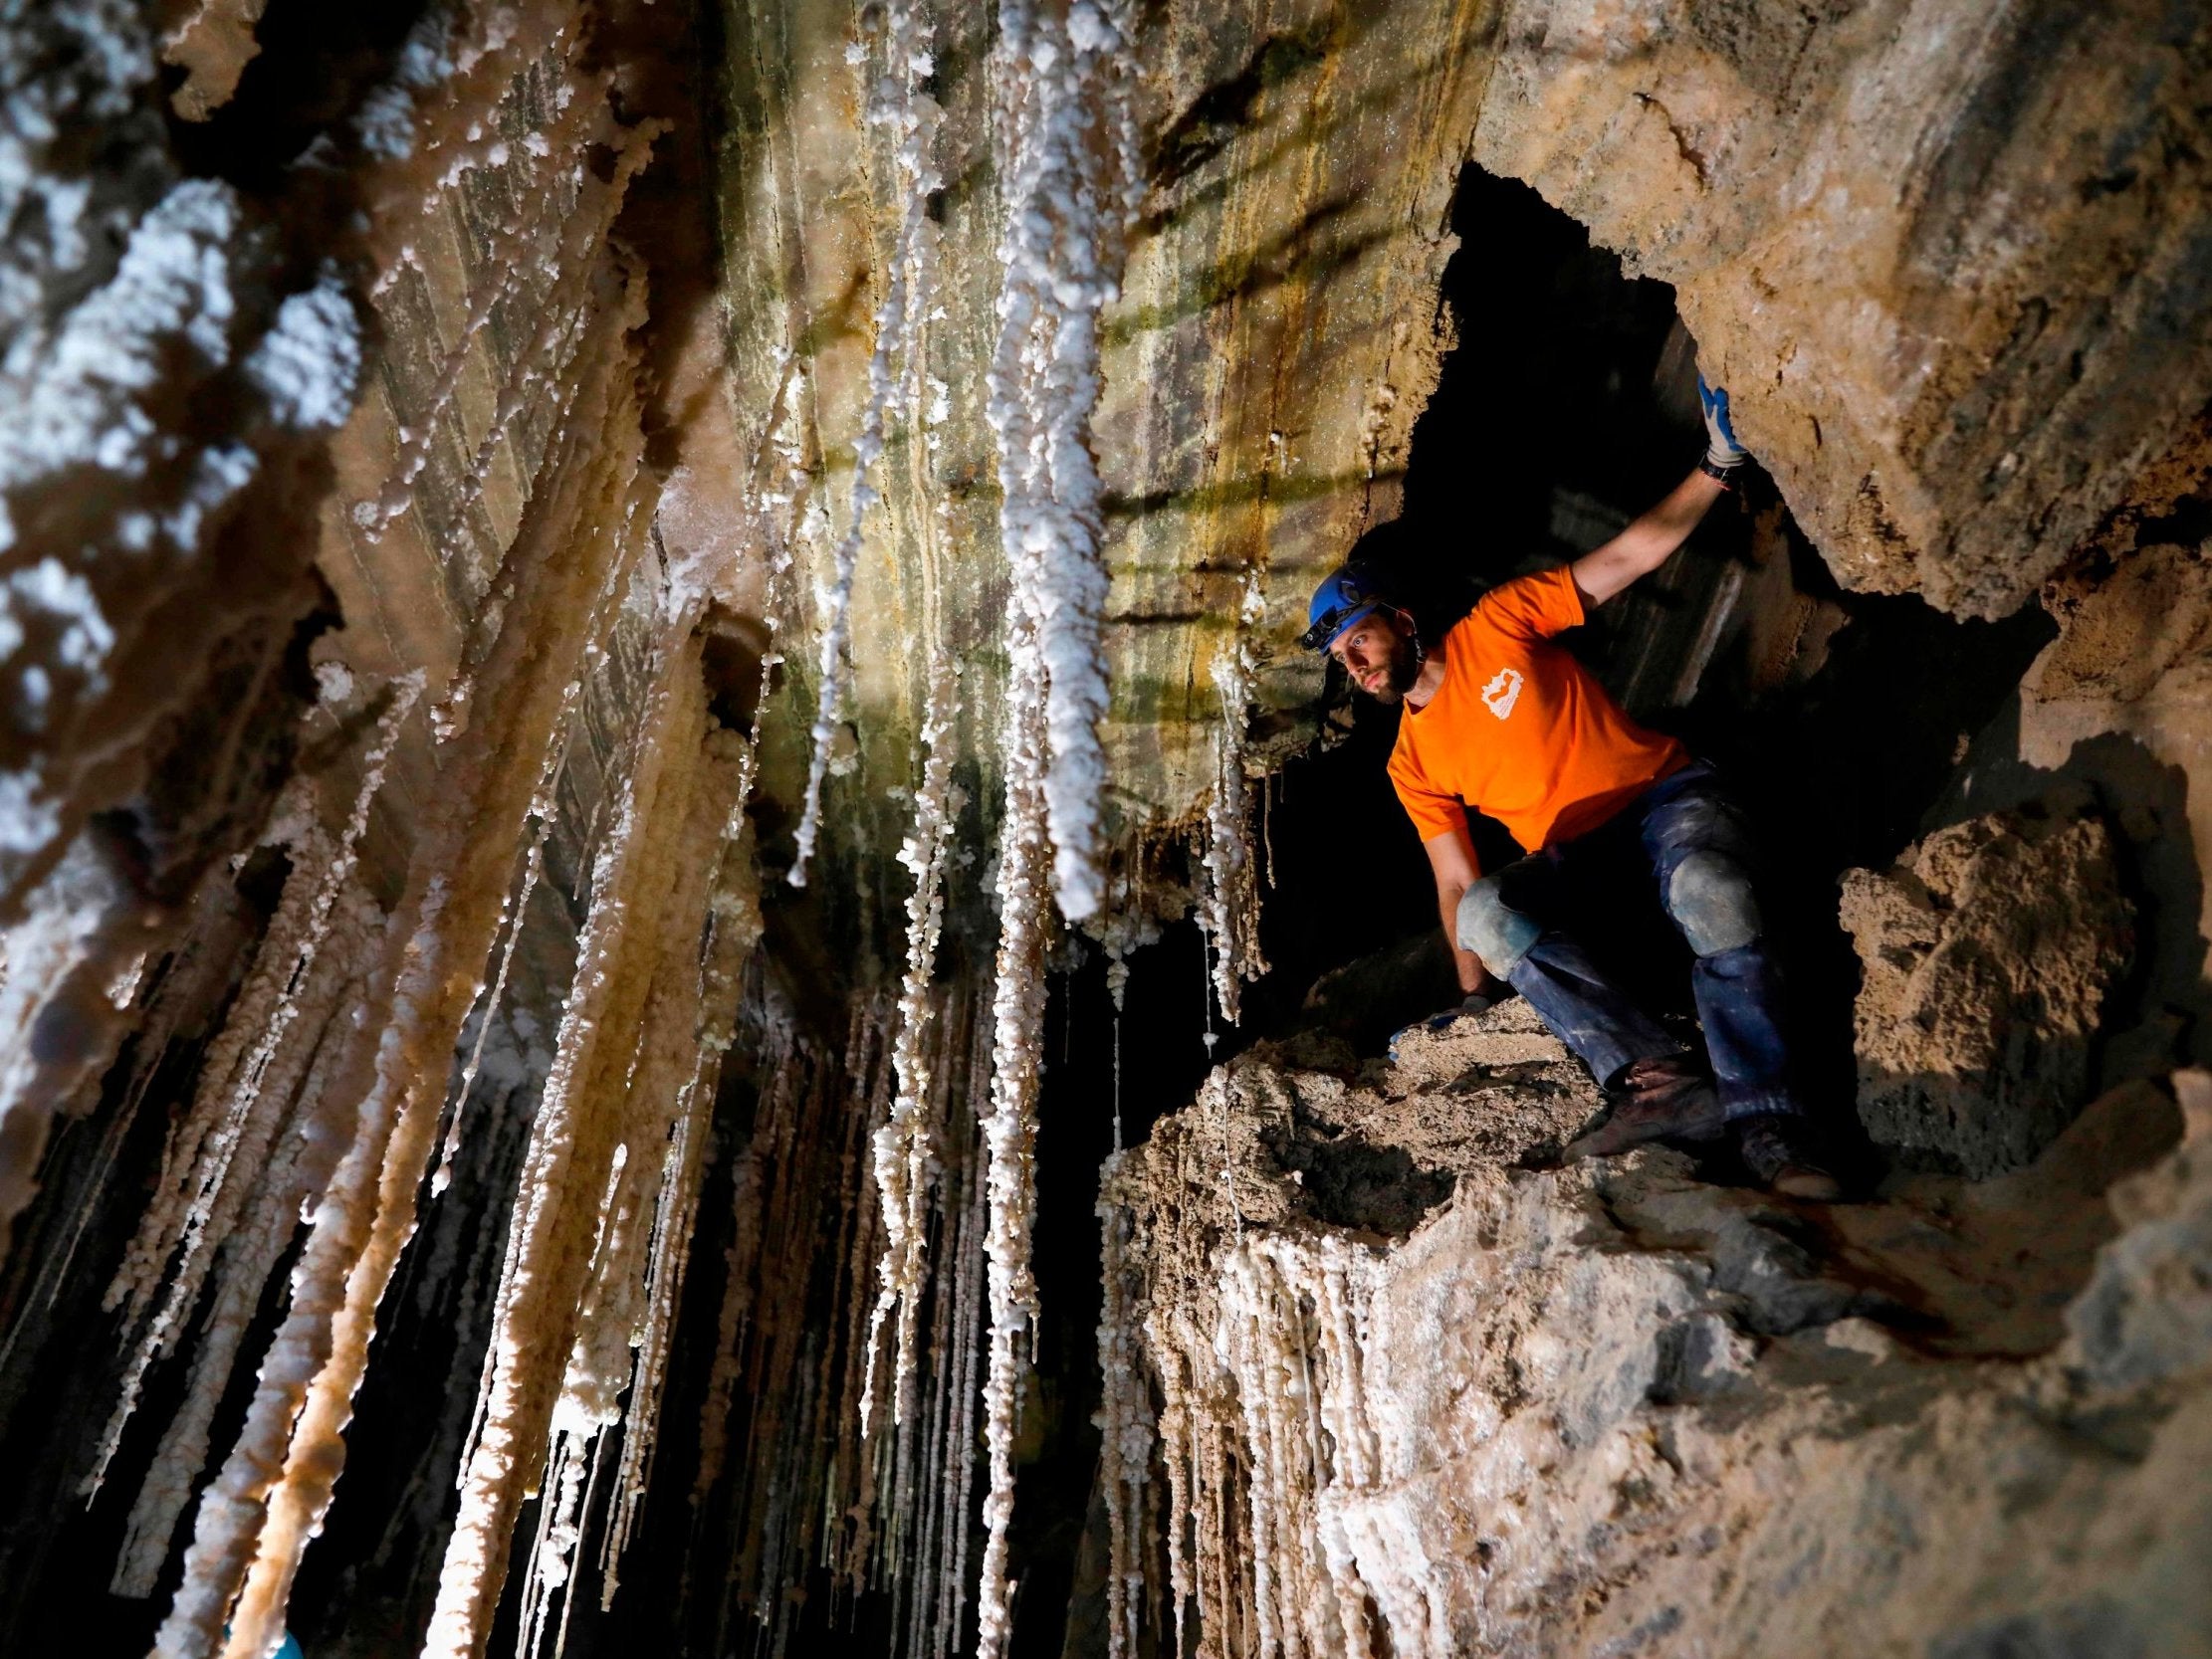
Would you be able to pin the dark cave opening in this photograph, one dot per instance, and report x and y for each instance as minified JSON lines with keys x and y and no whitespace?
{"x":1568,"y":408}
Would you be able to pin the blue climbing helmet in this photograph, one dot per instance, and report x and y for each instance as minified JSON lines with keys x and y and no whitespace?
{"x":1345,"y":597}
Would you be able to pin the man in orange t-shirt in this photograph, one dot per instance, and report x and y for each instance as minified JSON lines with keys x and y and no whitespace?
{"x":1499,"y":717}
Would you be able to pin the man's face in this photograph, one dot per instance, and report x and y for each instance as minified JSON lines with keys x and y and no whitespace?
{"x":1378,"y":654}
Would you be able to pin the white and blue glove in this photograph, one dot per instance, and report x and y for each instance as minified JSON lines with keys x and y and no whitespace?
{"x":1475,"y":1003}
{"x":1722,"y":453}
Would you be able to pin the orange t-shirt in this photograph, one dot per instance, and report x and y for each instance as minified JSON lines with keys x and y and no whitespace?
{"x":1521,"y":729}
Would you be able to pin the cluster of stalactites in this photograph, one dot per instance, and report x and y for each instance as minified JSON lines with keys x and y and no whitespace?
{"x":907,"y":119}
{"x":565,"y":580}
{"x":607,"y":1192}
{"x":601,"y":1234}
{"x":251,"y":1148}
{"x":1283,"y":1537}
{"x":901,"y":1148}
{"x":640,"y":1217}
{"x":785,"y":1480}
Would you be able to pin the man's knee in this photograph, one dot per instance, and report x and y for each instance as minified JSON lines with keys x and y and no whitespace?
{"x":1495,"y":931}
{"x":1710,"y":899}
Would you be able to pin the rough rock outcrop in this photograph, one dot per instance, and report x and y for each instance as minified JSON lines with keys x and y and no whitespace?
{"x":1617,"y":1408}
{"x":2131,"y":672}
{"x":169,"y":374}
{"x":1917,"y":237}
{"x":1988,"y":953}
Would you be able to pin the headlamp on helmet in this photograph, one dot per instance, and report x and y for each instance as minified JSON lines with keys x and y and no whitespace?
{"x":1345,"y":599}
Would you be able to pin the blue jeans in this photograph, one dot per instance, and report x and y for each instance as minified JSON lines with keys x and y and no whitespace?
{"x":1695,"y":843}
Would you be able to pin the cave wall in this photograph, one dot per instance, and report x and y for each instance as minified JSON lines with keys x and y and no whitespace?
{"x":1276,"y":334}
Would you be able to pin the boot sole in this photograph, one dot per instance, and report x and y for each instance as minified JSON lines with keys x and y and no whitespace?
{"x":1608,"y":1139}
{"x":1797,"y":1181}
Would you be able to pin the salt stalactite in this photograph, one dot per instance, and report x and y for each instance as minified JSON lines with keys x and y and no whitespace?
{"x":659,"y":1114}
{"x":254,"y":1238}
{"x":1125,"y":1428}
{"x":1117,"y":986}
{"x":534,"y":867}
{"x":1010,"y":1128}
{"x":186,"y":1169}
{"x":566,"y":1217}
{"x":1121,"y":930}
{"x":782,"y":1076}
{"x":234,"y":1112}
{"x":544,"y":805}
{"x":914,"y":1502}
{"x":940,"y":1568}
{"x":1059,"y":83}
{"x":1282,"y":1531}
{"x":1231,"y":912}
{"x":377,"y":1124}
{"x":1067,"y":158}
{"x":902,"y":1144}
{"x":1175,"y":1433}
{"x":734,"y":929}
{"x":898,"y":108}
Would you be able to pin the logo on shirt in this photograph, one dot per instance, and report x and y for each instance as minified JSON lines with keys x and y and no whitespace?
{"x":1503,"y":690}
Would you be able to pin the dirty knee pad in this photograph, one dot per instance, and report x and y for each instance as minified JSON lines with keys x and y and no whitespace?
{"x":1710,"y":899}
{"x":1496,"y":932}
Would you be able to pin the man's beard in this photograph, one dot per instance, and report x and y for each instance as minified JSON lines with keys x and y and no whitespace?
{"x":1399,"y":674}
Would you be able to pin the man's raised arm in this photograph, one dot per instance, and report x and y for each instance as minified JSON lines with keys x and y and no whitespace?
{"x":1650,"y":540}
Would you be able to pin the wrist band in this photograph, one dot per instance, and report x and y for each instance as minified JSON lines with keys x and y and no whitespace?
{"x":1722,"y":476}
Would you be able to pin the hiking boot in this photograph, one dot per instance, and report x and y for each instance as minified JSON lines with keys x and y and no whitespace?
{"x":1666,"y":1097}
{"x":1774,"y":1148}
